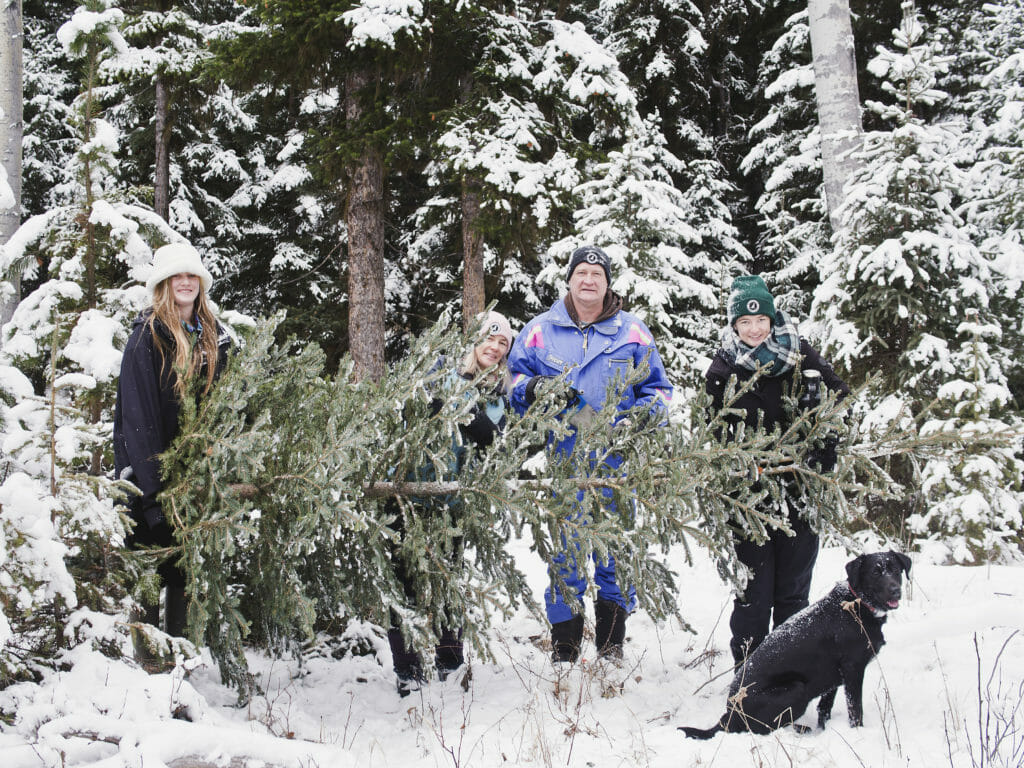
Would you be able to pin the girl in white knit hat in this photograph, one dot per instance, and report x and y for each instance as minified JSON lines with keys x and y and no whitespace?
{"x":174,"y":343}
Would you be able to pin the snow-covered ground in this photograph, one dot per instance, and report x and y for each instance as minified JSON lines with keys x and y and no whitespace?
{"x":922,"y":697}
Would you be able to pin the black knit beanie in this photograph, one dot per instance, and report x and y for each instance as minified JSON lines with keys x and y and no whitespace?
{"x":590,"y":254}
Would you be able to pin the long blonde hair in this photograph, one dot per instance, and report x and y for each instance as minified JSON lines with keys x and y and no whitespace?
{"x":187,"y":358}
{"x":499,"y":378}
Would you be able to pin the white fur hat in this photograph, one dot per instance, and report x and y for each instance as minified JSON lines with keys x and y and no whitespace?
{"x":174,"y":259}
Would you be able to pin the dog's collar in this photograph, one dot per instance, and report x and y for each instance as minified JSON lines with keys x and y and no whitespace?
{"x":874,"y":611}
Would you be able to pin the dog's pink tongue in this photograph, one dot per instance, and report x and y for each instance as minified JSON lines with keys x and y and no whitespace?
{"x":894,"y":603}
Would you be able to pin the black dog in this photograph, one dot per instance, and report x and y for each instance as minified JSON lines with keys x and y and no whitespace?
{"x":826,"y":645}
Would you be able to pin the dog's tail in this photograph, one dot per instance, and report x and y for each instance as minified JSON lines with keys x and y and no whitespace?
{"x":700,"y":733}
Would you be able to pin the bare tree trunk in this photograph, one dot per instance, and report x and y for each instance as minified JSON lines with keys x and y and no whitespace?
{"x":162,"y":170}
{"x":835,"y":83}
{"x":473,"y":294}
{"x":364,"y":220}
{"x":11,"y":131}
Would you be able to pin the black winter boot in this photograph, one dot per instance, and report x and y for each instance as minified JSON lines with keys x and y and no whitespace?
{"x":408,"y":667}
{"x":448,"y":653}
{"x":175,"y":611}
{"x":609,"y":628}
{"x":566,"y":639}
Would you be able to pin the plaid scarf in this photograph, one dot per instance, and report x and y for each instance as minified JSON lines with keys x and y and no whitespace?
{"x":780,"y":352}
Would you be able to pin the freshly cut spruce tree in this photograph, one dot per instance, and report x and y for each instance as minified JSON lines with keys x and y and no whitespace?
{"x":284,"y":485}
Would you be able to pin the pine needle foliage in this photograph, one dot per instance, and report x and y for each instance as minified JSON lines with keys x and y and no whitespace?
{"x":298,"y":497}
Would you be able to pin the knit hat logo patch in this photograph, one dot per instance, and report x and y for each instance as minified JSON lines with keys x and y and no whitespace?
{"x":753,"y":306}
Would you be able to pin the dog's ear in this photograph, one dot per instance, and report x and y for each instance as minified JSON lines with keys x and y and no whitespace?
{"x":902,"y":559}
{"x":853,"y":569}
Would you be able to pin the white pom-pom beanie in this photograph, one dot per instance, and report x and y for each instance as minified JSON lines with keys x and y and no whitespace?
{"x":175,"y":259}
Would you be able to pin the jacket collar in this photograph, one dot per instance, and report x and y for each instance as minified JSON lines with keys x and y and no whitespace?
{"x":609,"y":326}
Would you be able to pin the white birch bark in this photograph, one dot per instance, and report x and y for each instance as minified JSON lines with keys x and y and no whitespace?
{"x":11,"y":129}
{"x":835,"y":84}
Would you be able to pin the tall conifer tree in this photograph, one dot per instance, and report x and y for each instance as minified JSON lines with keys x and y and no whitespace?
{"x":910,"y":295}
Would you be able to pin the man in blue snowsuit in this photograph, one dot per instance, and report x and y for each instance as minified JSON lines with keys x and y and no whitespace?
{"x":588,"y":337}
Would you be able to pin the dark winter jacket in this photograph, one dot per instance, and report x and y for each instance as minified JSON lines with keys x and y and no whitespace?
{"x":147,"y":410}
{"x":489,"y":418}
{"x":766,"y":394}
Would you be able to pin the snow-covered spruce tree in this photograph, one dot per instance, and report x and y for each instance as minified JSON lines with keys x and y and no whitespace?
{"x":188,"y":134}
{"x":508,"y":150}
{"x":786,"y":156}
{"x":284,"y":485}
{"x":994,"y":68}
{"x":358,"y":64}
{"x":974,"y":495}
{"x":544,"y":103}
{"x":682,"y":71}
{"x":52,"y":83}
{"x":905,"y":278}
{"x":631,"y":207}
{"x":61,"y":529}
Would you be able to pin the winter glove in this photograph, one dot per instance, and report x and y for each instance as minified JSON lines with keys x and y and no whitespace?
{"x":823,"y":459}
{"x":152,"y":514}
{"x":531,"y":388}
{"x":480,"y":431}
{"x":580,"y":414}
{"x":572,"y":395}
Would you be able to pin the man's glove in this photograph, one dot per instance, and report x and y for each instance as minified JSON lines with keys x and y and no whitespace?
{"x":572,"y":395}
{"x":531,"y":387}
{"x":823,"y":459}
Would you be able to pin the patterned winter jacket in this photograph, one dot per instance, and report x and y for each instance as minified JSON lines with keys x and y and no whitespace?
{"x":552,"y":344}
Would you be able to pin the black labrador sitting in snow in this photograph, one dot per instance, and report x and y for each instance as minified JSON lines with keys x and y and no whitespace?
{"x":826,"y":645}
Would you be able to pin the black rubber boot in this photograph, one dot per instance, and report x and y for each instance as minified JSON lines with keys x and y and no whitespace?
{"x":408,"y":667}
{"x":176,"y":611}
{"x":566,"y":639}
{"x":609,"y":628}
{"x":448,"y":653}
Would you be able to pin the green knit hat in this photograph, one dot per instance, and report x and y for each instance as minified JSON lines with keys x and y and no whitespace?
{"x":750,"y":296}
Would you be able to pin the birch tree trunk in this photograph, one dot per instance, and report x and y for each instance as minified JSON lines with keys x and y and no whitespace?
{"x":835,"y":84}
{"x":11,"y":131}
{"x":473,"y":294}
{"x":364,"y":220}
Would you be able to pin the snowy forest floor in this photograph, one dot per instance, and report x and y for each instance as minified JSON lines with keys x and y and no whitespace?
{"x":948,"y":684}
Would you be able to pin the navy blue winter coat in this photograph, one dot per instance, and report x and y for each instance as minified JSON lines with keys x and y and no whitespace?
{"x":146,"y":414}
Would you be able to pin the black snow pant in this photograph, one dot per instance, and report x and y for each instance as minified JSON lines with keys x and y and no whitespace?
{"x":448,"y":653}
{"x":779,"y":585}
{"x":170,"y":573}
